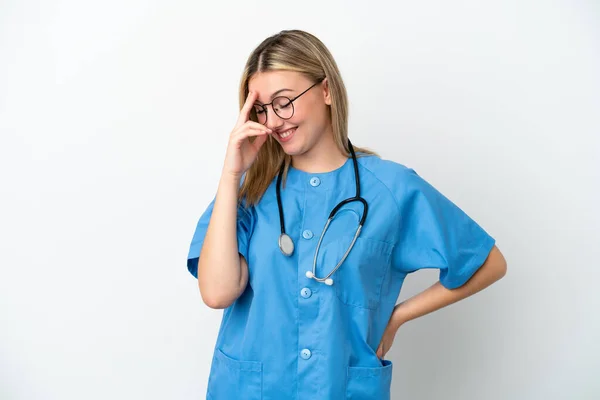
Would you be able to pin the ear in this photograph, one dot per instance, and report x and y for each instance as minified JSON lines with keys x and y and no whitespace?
{"x":326,"y":92}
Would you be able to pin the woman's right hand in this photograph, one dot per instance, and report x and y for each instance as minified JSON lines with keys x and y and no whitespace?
{"x":241,"y":153}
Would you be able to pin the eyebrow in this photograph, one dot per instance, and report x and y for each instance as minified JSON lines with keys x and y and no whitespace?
{"x":277,"y":92}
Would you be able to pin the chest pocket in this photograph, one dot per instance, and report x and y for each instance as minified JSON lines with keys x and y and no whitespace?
{"x":358,"y":281}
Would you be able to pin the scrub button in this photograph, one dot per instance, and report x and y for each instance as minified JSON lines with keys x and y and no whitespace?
{"x":314,"y":181}
{"x":305,"y":354}
{"x":306,"y":292}
{"x":307,"y":234}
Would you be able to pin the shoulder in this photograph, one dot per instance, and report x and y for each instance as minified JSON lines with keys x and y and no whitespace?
{"x":393,"y":175}
{"x":402,"y":183}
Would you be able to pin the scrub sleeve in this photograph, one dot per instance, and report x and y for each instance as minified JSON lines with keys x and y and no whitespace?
{"x":244,"y":230}
{"x":436,"y":233}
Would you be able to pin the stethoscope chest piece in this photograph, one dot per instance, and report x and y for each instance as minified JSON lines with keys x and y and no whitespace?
{"x":286,"y":245}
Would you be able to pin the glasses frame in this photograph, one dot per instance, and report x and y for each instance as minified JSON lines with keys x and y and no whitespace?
{"x":291,"y":101}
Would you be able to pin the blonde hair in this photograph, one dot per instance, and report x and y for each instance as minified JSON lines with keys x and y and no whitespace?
{"x":292,"y":50}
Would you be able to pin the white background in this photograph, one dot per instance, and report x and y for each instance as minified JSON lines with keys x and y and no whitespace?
{"x":114,"y":119}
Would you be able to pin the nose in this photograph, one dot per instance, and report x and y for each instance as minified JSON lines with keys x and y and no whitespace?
{"x":273,"y":120}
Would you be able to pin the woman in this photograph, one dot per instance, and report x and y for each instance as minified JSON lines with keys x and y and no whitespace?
{"x":298,"y":324}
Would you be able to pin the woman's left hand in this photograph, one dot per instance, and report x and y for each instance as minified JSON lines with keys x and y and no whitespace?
{"x":394,"y":323}
{"x":387,"y":340}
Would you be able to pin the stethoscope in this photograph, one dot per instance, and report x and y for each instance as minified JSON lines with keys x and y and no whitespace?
{"x":286,"y":244}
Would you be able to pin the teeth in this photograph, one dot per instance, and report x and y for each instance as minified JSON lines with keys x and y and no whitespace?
{"x":287,"y":133}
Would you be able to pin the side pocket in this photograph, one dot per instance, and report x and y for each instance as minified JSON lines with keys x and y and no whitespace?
{"x":232,"y":379}
{"x":369,"y":383}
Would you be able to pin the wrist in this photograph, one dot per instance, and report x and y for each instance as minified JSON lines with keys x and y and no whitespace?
{"x":230,"y":177}
{"x":398,"y":316}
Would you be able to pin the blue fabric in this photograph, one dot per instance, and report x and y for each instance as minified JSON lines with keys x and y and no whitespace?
{"x":244,"y":230}
{"x":278,"y":341}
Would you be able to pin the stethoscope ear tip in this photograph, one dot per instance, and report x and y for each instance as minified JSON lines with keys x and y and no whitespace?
{"x":286,"y":244}
{"x":310,"y":275}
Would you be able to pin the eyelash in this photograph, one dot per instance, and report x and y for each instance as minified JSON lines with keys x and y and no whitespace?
{"x":261,"y":110}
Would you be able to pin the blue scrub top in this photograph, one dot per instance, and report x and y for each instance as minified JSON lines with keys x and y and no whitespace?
{"x":291,"y":337}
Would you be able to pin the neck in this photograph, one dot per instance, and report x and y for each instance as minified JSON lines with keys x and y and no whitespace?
{"x":325,"y":156}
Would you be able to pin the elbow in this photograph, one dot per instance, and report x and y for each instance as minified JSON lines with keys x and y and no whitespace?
{"x":499,"y":271}
{"x":494,"y":267}
{"x":218,"y":292}
{"x":216,"y":300}
{"x":503,"y":270}
{"x":499,"y":262}
{"x":216,"y":303}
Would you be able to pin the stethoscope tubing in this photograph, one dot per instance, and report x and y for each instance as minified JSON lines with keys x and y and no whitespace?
{"x":286,"y":244}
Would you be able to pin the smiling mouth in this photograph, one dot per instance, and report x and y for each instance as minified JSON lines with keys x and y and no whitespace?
{"x":287,"y":134}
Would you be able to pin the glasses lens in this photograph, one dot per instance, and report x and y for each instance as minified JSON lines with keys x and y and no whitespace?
{"x":260,"y":114}
{"x":283,"y":107}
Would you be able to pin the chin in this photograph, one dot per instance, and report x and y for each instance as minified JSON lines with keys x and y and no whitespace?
{"x":292,"y":152}
{"x":291,"y":149}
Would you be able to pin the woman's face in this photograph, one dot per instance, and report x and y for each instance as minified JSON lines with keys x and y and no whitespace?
{"x":310,"y":121}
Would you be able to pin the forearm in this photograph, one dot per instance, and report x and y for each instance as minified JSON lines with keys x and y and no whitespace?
{"x":219,"y":272}
{"x":437,"y":296}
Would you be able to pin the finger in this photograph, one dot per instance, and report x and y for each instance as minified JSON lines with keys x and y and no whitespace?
{"x":250,"y":129}
{"x":256,"y":125}
{"x":247,"y":133}
{"x":245,"y":111}
{"x":253,"y":132}
{"x":250,"y":125}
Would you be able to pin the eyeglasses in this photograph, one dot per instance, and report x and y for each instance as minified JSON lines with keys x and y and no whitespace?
{"x":282,"y":106}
